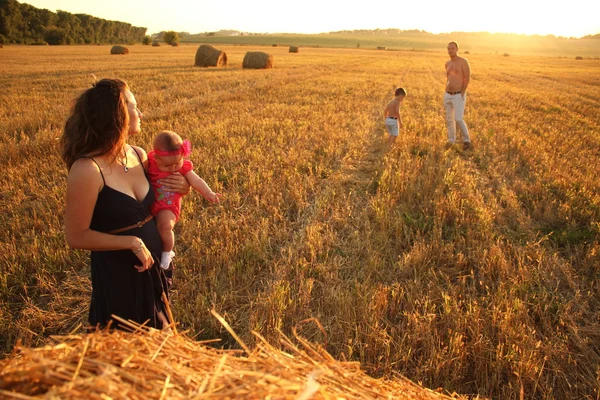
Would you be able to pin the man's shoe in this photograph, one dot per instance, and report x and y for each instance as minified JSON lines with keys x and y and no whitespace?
{"x":467,"y":145}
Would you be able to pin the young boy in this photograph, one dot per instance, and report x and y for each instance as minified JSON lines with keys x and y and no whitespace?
{"x":393,"y":121}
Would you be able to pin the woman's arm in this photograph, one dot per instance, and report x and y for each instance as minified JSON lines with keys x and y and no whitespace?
{"x":83,"y":185}
{"x":201,"y":186}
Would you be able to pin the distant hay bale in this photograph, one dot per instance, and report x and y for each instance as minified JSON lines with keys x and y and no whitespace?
{"x":208,"y":56}
{"x":577,"y":58}
{"x":506,"y":55}
{"x":175,"y":44}
{"x":119,"y":50}
{"x":257,"y":60}
{"x":274,"y":45}
{"x":293,"y":49}
{"x":155,"y":44}
{"x":381,"y":48}
{"x":1,"y":45}
{"x":467,"y":52}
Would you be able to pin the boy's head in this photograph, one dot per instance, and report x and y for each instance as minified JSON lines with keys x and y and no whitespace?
{"x":169,"y":151}
{"x":400,"y":92}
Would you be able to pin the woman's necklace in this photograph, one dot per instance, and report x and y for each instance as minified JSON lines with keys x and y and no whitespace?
{"x":124,"y":163}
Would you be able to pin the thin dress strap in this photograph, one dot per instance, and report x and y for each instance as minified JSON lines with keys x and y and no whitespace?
{"x":139,"y":158}
{"x":136,"y":152}
{"x":99,"y":169}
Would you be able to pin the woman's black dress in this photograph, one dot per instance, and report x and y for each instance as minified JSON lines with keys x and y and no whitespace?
{"x":117,"y":287}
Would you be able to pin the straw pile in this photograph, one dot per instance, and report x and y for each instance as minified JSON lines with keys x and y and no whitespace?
{"x":208,"y":56}
{"x":293,"y":49}
{"x":150,"y":364}
{"x":119,"y":50}
{"x":258,"y":60}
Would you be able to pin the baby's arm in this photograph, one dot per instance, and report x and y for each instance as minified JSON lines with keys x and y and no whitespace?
{"x":198,"y":183}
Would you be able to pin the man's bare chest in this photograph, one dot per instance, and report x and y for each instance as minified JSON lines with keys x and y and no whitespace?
{"x":453,"y":68}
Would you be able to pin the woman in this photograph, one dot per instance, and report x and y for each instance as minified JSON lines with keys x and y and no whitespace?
{"x":108,"y":206}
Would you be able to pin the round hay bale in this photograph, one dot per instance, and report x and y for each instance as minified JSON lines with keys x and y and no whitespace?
{"x":175,"y":44}
{"x":1,"y":46}
{"x":119,"y":50}
{"x":577,"y":58}
{"x":155,"y":44}
{"x":381,"y":48}
{"x":293,"y":49}
{"x":257,"y":60}
{"x":208,"y":56}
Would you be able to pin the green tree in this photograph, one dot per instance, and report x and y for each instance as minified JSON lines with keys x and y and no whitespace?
{"x":23,"y":23}
{"x":55,"y":36}
{"x":171,"y":37}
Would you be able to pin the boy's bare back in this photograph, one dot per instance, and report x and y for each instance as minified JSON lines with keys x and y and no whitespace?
{"x":393,"y":109}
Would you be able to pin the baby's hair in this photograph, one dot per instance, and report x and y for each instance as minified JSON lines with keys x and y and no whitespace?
{"x":167,"y":141}
{"x":400,"y":91}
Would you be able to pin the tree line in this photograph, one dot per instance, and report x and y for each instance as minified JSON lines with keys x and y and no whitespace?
{"x":24,"y":24}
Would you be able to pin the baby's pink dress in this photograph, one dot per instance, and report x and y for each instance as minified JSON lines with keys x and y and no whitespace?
{"x":165,"y":200}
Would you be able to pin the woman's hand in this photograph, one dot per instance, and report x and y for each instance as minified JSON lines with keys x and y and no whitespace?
{"x":176,"y":183}
{"x":143,"y":254}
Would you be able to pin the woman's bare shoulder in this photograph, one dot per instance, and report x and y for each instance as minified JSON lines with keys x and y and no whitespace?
{"x":85,"y":171}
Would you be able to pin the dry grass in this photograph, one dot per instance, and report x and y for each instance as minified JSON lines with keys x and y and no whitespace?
{"x":475,"y":272}
{"x":148,"y":364}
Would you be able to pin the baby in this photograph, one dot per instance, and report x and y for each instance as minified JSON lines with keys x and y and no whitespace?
{"x":169,"y":155}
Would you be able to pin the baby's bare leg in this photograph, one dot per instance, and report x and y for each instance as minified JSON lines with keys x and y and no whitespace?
{"x":165,"y":221}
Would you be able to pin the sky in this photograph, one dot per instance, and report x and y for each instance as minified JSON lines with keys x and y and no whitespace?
{"x":568,"y":18}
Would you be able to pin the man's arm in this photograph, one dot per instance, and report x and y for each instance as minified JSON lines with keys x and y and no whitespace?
{"x":466,"y":77}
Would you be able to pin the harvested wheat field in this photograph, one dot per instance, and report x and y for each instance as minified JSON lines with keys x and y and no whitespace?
{"x":149,"y":364}
{"x":476,"y":272}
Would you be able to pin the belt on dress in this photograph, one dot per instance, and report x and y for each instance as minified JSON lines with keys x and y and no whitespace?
{"x":393,"y":117}
{"x":136,"y":225}
{"x":453,"y":92}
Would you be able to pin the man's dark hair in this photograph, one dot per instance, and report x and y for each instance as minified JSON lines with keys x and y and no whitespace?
{"x":400,"y":91}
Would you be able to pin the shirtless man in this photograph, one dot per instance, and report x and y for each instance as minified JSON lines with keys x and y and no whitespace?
{"x":458,"y":75}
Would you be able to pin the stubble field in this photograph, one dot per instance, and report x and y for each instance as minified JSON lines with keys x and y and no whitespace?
{"x":477,"y":272}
